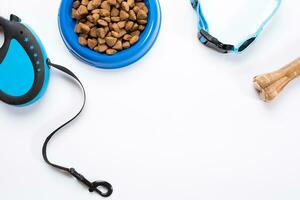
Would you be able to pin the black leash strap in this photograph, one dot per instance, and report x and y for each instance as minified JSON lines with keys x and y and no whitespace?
{"x":93,"y":186}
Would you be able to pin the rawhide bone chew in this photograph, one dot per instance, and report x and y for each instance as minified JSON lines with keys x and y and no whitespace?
{"x":270,"y":85}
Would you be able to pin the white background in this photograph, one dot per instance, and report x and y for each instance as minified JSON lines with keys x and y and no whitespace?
{"x":182,"y":123}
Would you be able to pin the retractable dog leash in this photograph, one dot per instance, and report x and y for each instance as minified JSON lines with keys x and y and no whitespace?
{"x":208,"y":40}
{"x":24,"y":75}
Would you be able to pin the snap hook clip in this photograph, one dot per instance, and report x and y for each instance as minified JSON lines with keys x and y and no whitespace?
{"x":95,"y":186}
{"x":104,"y":185}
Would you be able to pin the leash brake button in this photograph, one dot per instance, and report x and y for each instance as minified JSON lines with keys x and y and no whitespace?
{"x":15,"y":18}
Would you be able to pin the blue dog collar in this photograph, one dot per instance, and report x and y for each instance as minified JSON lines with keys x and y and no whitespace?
{"x":208,"y":40}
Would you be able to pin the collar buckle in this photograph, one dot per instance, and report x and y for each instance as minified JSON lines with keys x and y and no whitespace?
{"x":213,"y":43}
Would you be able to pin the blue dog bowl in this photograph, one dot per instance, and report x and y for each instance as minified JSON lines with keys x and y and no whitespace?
{"x":120,"y":59}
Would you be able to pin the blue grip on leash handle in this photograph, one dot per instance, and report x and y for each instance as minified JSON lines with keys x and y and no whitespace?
{"x":24,"y":72}
{"x":208,"y":40}
{"x":24,"y":75}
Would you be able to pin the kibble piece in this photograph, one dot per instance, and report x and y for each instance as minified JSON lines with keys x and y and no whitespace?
{"x":134,"y":33}
{"x":109,"y":34}
{"x":96,"y":17}
{"x":96,"y":3}
{"x":84,"y":28}
{"x":129,"y":25}
{"x":101,"y":41}
{"x":85,"y":2}
{"x":105,"y":5}
{"x":127,"y":37}
{"x":90,"y":6}
{"x":111,"y":51}
{"x":118,"y":45}
{"x":125,"y":6}
{"x":130,"y":3}
{"x":96,"y":11}
{"x":121,"y":24}
{"x":104,"y":13}
{"x":96,"y":48}
{"x":92,"y":43}
{"x":74,"y":14}
{"x":82,"y":11}
{"x":115,"y":27}
{"x":90,"y":24}
{"x":142,"y":6}
{"x":102,"y":22}
{"x":101,"y":32}
{"x":115,"y":19}
{"x":132,"y":15}
{"x":93,"y":32}
{"x":110,"y":41}
{"x":107,"y":19}
{"x":112,"y":2}
{"x":122,"y":32}
{"x":123,"y":15}
{"x":126,"y":45}
{"x":135,"y":27}
{"x":115,"y":34}
{"x":82,"y":41}
{"x":142,"y":22}
{"x":102,"y":48}
{"x":134,"y":39}
{"x":141,"y":15}
{"x":77,"y":28}
{"x":141,"y":27}
{"x":76,"y":4}
{"x":136,"y":9}
{"x":114,"y":12}
{"x":90,"y":18}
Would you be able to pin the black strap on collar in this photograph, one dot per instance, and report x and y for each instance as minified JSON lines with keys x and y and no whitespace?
{"x":92,"y":186}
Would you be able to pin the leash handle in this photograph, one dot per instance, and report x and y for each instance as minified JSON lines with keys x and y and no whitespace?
{"x":92,"y":186}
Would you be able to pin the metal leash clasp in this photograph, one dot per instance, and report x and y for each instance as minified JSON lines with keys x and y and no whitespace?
{"x":93,"y":186}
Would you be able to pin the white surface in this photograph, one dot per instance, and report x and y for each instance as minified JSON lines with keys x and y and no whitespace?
{"x":182,"y":123}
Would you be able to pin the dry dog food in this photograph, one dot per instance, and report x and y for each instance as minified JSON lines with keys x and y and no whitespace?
{"x":109,"y":26}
